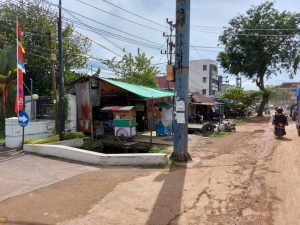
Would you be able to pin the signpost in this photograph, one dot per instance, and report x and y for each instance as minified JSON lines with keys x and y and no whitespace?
{"x":23,"y":120}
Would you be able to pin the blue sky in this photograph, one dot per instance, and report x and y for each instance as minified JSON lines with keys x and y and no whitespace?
{"x":212,"y":13}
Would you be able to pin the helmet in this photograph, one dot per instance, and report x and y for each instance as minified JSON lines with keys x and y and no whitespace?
{"x":279,"y":110}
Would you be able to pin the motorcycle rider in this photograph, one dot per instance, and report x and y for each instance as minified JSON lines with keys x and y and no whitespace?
{"x":280,"y":117}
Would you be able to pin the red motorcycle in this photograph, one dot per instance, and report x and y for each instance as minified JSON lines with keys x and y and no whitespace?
{"x":280,"y":130}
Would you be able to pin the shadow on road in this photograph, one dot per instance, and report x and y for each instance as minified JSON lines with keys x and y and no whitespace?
{"x":167,"y":208}
{"x":22,"y":223}
{"x":284,"y":139}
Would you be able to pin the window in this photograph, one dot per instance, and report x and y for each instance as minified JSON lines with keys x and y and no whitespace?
{"x":204,"y":91}
{"x":204,"y":67}
{"x":204,"y":79}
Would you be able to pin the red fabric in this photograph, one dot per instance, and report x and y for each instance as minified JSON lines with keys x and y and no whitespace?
{"x":19,"y":104}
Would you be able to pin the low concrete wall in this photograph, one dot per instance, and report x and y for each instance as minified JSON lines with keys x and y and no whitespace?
{"x":70,"y":153}
{"x":77,"y":142}
{"x":35,"y":129}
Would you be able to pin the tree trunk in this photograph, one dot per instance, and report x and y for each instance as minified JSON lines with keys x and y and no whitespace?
{"x":265,"y":99}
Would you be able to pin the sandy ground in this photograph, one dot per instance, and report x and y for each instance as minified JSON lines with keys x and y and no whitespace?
{"x":245,"y":178}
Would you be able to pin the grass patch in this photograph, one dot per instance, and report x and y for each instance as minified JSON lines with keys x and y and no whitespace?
{"x":2,"y":137}
{"x":55,"y":138}
{"x":93,"y":145}
{"x":239,"y":122}
{"x":213,"y":134}
{"x":169,"y":164}
{"x":220,"y":134}
{"x":160,"y":149}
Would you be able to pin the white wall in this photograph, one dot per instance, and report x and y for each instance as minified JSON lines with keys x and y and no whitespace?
{"x":35,"y":129}
{"x":196,"y":74}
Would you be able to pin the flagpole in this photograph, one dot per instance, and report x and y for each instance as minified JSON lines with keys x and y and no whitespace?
{"x":17,"y":100}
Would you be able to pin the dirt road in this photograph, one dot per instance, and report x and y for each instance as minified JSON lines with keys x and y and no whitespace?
{"x":244,"y":178}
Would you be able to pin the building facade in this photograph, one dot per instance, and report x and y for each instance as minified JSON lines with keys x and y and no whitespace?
{"x":291,"y":88}
{"x":203,"y":77}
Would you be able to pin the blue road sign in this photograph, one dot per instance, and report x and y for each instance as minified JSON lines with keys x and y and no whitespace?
{"x":23,"y":119}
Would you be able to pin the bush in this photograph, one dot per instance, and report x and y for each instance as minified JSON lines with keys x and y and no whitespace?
{"x":93,"y":145}
{"x":73,"y":135}
{"x":55,"y":138}
{"x":160,"y":149}
{"x":2,"y":124}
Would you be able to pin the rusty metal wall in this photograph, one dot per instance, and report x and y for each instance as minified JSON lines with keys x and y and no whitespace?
{"x":84,"y":106}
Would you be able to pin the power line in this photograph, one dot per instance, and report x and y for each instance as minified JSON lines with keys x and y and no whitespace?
{"x":255,"y":29}
{"x":101,"y":35}
{"x":120,"y":17}
{"x":132,"y":13}
{"x":95,"y":21}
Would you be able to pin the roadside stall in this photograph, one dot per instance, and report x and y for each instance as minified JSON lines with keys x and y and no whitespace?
{"x":124,"y":121}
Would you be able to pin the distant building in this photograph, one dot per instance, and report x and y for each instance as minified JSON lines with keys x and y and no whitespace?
{"x":290,"y":87}
{"x":203,"y":77}
{"x":163,"y":83}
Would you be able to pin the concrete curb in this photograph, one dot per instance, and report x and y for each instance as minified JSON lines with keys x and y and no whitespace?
{"x":75,"y":154}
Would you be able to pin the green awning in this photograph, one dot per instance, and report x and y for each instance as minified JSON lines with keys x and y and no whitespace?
{"x":142,"y":91}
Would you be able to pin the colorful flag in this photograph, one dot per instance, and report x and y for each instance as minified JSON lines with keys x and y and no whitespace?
{"x":19,"y":105}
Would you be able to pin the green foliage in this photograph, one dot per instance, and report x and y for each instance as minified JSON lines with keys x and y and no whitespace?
{"x":7,"y":75}
{"x":93,"y":145}
{"x":2,"y":124}
{"x":168,"y":165}
{"x":73,"y":135}
{"x":213,"y":134}
{"x":135,"y":69}
{"x":239,"y":122}
{"x":160,"y":149}
{"x":240,"y":99}
{"x":38,"y":23}
{"x":261,"y":44}
{"x":55,"y":138}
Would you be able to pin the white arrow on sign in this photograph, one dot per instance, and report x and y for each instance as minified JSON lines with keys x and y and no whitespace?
{"x":23,"y":119}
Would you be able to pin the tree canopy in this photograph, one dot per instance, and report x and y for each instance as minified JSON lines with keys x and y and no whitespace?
{"x":240,"y":99}
{"x":135,"y":69}
{"x":260,"y":45}
{"x":38,"y":23}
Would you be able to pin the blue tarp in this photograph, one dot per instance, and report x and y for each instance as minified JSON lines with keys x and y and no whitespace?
{"x":298,"y":92}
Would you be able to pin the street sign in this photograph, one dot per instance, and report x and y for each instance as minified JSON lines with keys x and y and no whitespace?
{"x":23,"y":119}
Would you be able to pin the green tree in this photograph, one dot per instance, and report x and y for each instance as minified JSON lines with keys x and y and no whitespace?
{"x":135,"y":69}
{"x":7,"y":76}
{"x":240,"y":99}
{"x":38,"y":22}
{"x":261,"y":44}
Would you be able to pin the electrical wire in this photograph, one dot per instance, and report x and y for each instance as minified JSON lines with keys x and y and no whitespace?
{"x":120,"y":17}
{"x":132,"y":13}
{"x":95,"y":21}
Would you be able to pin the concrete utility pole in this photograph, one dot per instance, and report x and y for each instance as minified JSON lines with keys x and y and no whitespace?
{"x":61,"y":79}
{"x":54,"y":92}
{"x":181,"y":102}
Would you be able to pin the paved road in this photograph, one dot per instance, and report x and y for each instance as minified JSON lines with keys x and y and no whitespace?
{"x":21,"y":173}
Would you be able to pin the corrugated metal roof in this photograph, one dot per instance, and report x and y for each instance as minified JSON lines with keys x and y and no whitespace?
{"x":142,"y":91}
{"x":202,"y":99}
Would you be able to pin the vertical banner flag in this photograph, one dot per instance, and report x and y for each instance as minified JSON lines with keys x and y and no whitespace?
{"x":19,"y":105}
